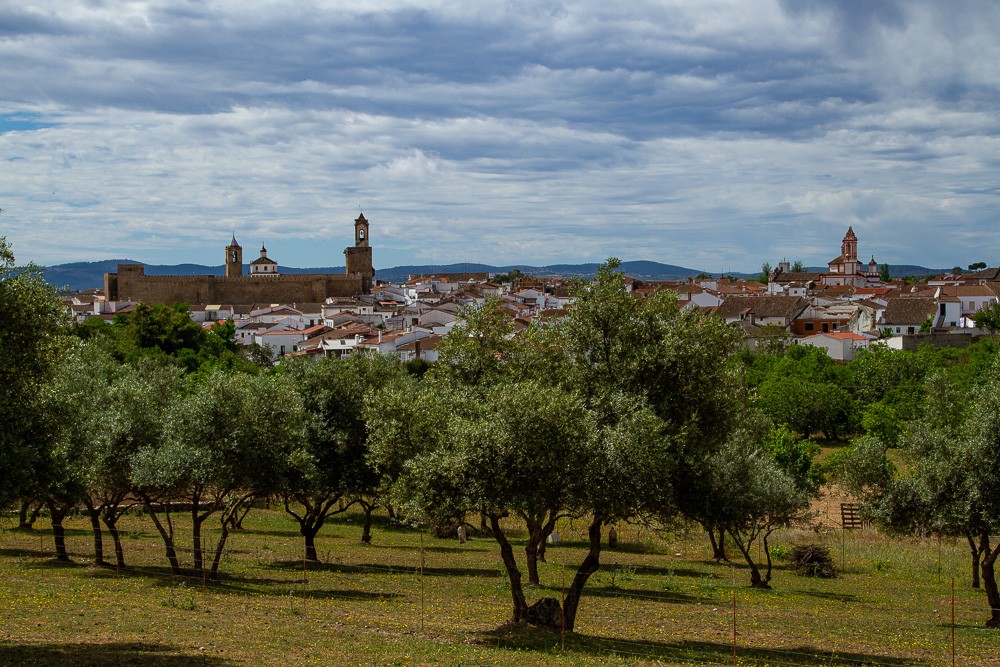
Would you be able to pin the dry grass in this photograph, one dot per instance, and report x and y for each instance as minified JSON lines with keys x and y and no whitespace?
{"x":655,"y":601}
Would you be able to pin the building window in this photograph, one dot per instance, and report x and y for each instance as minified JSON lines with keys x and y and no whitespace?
{"x":809,"y":326}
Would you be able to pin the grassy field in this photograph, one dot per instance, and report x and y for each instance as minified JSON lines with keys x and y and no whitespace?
{"x":654,"y":602}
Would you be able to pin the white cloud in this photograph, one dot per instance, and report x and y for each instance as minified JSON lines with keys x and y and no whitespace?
{"x":709,"y":134}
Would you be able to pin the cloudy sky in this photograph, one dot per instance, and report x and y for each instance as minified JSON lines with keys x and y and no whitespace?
{"x":711,"y":134}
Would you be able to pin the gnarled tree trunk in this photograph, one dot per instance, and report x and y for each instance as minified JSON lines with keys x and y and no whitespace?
{"x":513,"y":573}
{"x":718,"y":543}
{"x":989,"y":560}
{"x":756,"y":580}
{"x":366,"y":526}
{"x":312,"y":518}
{"x":58,"y":512}
{"x":95,"y":525}
{"x":589,"y":566}
{"x":535,"y":539}
{"x":166,"y":533}
{"x":28,"y":514}
{"x":111,"y":521}
{"x":976,"y":549}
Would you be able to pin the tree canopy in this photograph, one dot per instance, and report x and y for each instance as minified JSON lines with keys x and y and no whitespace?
{"x":31,"y":336}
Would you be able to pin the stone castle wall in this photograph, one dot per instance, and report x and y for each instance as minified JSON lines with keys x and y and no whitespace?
{"x":131,"y":284}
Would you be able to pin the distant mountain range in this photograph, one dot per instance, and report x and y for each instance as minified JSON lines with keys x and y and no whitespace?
{"x":78,"y":276}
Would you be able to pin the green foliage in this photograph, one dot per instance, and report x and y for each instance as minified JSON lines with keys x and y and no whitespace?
{"x":101,"y":413}
{"x":798,"y":267}
{"x":334,"y":392}
{"x":230,"y":431}
{"x":537,"y":455}
{"x":806,"y":406}
{"x":970,"y":366}
{"x":950,"y":483}
{"x":509,"y":277}
{"x":881,"y":420}
{"x":169,"y":333}
{"x":226,"y":441}
{"x":988,"y":318}
{"x":765,"y":273}
{"x":753,"y":494}
{"x":796,"y":458}
{"x":892,"y":377}
{"x":417,"y":367}
{"x":883,"y":273}
{"x":31,"y":338}
{"x":475,"y":350}
{"x":406,"y":424}
{"x":862,"y":469}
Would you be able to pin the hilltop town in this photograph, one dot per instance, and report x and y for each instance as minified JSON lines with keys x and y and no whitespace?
{"x":847,"y":307}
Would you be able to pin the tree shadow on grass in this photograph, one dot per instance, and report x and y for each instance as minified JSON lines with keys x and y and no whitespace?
{"x":438,"y":550}
{"x":638,"y":593}
{"x":524,"y":637}
{"x":272,"y":532}
{"x":841,"y":597}
{"x":163,"y":577}
{"x":25,"y":553}
{"x":45,"y":560}
{"x":666,"y":571}
{"x":344,"y":568}
{"x":344,"y":594}
{"x":642,"y":548}
{"x":103,"y":655}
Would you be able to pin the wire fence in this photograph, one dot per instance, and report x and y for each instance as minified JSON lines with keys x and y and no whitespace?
{"x":421,"y":581}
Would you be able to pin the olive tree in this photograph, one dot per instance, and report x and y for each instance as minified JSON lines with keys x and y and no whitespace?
{"x":679,"y":363}
{"x":226,"y":442}
{"x":521,"y":450}
{"x":31,"y":337}
{"x":761,"y":480}
{"x":950,"y":482}
{"x":332,"y":464}
{"x":644,"y":382}
{"x":100,"y":413}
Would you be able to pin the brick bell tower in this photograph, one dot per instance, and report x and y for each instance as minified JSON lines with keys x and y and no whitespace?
{"x":234,"y":259}
{"x":358,"y":259}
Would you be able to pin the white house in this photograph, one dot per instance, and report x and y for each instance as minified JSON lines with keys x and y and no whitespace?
{"x":973,"y":298}
{"x":423,"y":348}
{"x":906,"y":315}
{"x":840,"y":345}
{"x":279,"y":343}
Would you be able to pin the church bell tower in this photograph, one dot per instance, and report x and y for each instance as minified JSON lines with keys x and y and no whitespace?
{"x":358,"y":259}
{"x":234,"y":259}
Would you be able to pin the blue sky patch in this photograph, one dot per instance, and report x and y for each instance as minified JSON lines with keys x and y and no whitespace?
{"x":22,"y":122}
